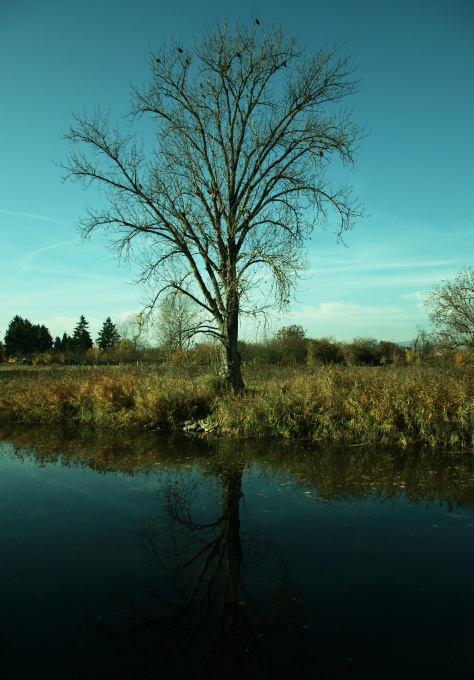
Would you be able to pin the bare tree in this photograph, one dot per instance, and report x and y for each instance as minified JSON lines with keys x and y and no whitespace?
{"x":177,"y":321}
{"x":421,"y":346}
{"x":246,"y":122}
{"x":134,"y":329}
{"x":451,"y":310}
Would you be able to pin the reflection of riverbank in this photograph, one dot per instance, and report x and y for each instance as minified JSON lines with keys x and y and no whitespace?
{"x":198,"y":559}
{"x":335,"y":472}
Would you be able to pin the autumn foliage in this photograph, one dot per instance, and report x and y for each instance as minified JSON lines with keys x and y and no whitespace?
{"x":334,"y":403}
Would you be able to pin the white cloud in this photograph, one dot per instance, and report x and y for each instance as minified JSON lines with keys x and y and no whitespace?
{"x":419,"y":295}
{"x":348,"y":320}
{"x":343,"y":311}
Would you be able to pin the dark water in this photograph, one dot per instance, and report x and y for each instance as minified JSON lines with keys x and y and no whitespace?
{"x":159,"y":557}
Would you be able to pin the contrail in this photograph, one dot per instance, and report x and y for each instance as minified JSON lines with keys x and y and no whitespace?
{"x":33,"y":217}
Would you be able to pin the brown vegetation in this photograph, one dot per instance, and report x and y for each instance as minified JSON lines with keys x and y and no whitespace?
{"x":392,"y":405}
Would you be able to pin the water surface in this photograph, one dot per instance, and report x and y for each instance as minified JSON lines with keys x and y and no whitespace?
{"x":171,"y":557}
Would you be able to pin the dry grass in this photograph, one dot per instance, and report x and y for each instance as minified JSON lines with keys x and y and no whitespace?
{"x":105,"y":397}
{"x":341,"y":404}
{"x":431,"y":406}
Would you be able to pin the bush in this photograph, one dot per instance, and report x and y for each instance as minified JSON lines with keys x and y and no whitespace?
{"x":324,"y":351}
{"x":288,"y":346}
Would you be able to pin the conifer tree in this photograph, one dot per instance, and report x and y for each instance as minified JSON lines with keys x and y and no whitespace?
{"x":81,"y":339}
{"x":108,"y":335}
{"x":23,"y":339}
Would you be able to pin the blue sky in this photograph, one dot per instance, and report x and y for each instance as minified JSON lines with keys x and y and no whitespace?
{"x":415,"y":171}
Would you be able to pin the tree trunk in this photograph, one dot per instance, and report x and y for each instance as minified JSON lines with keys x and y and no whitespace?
{"x":233,"y":375}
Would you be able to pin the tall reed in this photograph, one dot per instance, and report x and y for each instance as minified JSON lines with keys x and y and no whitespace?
{"x":105,"y":397}
{"x":370,"y":405}
{"x":431,"y":406}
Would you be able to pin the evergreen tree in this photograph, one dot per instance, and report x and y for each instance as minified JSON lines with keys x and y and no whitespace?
{"x":23,"y":339}
{"x":44,"y":340}
{"x":57,"y":345}
{"x":81,"y":339}
{"x":19,"y":338}
{"x":108,"y":335}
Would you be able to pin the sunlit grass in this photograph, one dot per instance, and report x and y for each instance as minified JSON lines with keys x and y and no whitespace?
{"x":342,"y":404}
{"x":106,"y":397}
{"x":432,"y":406}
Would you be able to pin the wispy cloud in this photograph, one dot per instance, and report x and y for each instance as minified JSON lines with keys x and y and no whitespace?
{"x":27,"y":261}
{"x":374,"y":262}
{"x":419,"y":296}
{"x":343,"y":310}
{"x":41,"y":218}
{"x":348,"y":320}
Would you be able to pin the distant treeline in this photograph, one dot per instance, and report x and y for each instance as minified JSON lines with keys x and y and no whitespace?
{"x":33,"y":344}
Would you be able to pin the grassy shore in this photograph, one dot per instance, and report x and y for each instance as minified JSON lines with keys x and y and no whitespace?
{"x":415,"y":405}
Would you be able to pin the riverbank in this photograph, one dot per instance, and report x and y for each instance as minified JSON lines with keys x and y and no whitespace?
{"x":337,"y":404}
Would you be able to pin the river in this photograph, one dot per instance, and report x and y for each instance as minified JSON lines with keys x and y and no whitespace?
{"x":159,"y":556}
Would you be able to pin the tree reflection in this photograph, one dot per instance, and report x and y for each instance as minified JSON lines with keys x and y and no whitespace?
{"x":222,"y":610}
{"x":344,"y":473}
{"x":218,"y":601}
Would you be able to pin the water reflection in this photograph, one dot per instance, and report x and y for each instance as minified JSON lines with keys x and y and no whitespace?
{"x":420,"y":475}
{"x":228,"y":600}
{"x":215,"y":594}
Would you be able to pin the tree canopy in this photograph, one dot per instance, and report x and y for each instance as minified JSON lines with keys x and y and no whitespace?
{"x":218,"y":205}
{"x":451,"y":310}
